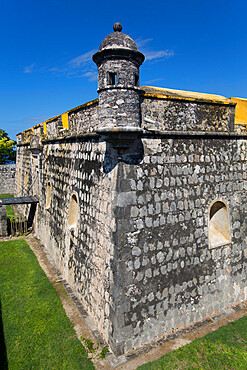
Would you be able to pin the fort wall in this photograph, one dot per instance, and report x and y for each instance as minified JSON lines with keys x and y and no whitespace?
{"x":3,"y":222}
{"x":173,"y":110}
{"x":83,"y":251}
{"x":7,"y":176}
{"x":139,"y":259}
{"x":171,"y":277}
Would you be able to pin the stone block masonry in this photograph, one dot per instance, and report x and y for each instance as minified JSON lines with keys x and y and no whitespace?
{"x":3,"y":221}
{"x":142,"y":201}
{"x":7,"y":178}
{"x":82,"y":250}
{"x":169,"y":275}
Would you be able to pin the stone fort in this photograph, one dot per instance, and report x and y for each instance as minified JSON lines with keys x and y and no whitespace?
{"x":142,"y":200}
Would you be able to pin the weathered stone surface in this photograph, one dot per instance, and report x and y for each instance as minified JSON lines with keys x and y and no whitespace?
{"x":175,"y":115}
{"x":3,"y":221}
{"x":84,"y":119}
{"x":174,"y":254}
{"x":7,"y":178}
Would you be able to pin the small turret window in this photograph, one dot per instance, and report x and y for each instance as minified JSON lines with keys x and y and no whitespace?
{"x":136,"y":80}
{"x":112,"y":80}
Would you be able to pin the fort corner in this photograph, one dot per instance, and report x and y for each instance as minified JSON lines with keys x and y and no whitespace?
{"x":142,"y":200}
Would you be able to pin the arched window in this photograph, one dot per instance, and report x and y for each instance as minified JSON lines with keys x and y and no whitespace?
{"x":48,"y":195}
{"x":73,"y":212}
{"x":219,"y":225}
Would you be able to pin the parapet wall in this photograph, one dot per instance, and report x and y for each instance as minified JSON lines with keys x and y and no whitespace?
{"x":7,"y":178}
{"x":77,"y":121}
{"x":160,"y":110}
{"x":172,"y":110}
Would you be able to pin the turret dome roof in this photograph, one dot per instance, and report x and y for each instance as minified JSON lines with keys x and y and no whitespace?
{"x":117,"y":40}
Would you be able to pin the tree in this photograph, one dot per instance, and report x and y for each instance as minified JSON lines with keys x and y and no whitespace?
{"x":7,"y":150}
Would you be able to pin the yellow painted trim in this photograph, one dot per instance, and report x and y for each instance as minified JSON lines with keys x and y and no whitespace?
{"x":44,"y":128}
{"x":53,"y":118}
{"x":168,"y":97}
{"x":28,"y":129}
{"x":240,"y":111}
{"x":37,"y":126}
{"x":65,"y":120}
{"x":92,"y":102}
{"x":170,"y":94}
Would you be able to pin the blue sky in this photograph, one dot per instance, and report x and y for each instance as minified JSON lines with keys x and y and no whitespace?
{"x":46,"y":48}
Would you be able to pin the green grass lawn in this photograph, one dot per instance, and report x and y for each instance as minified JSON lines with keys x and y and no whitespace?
{"x":36,"y":333}
{"x":226,"y":348}
{"x":9,"y":211}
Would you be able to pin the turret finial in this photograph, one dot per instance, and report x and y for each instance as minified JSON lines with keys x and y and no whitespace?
{"x":117,"y":27}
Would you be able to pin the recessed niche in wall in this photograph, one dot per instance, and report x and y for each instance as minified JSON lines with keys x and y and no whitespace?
{"x":26,"y":179}
{"x":48,"y":195}
{"x":73,"y":212}
{"x":219,"y":225}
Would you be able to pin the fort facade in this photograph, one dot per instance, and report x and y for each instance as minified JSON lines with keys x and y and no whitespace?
{"x":142,"y":200}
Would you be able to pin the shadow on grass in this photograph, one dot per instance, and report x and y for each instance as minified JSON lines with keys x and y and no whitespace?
{"x":3,"y":352}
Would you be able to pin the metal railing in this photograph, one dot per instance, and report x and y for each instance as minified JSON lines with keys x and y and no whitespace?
{"x":18,"y":226}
